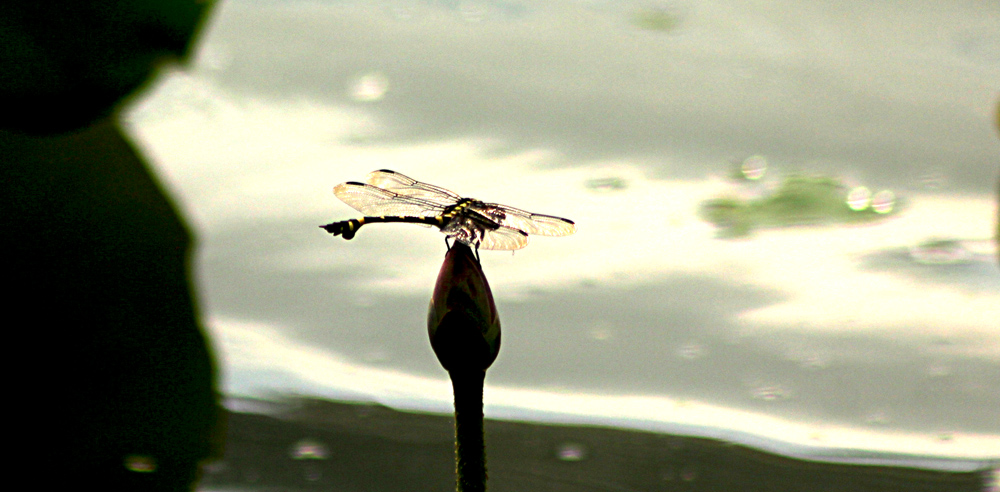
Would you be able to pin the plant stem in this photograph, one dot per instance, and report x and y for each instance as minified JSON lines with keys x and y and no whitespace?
{"x":470,"y":447}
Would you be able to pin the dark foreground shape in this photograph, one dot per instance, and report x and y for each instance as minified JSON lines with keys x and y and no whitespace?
{"x":116,"y":380}
{"x":371,"y":447}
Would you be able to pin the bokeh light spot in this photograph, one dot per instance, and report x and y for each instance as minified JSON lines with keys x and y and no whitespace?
{"x":140,"y":463}
{"x":691,"y":351}
{"x":370,"y":87}
{"x":754,"y":167}
{"x":308,"y":449}
{"x":859,"y":198}
{"x":883,"y":201}
{"x":611,"y":183}
{"x":571,"y":451}
{"x":770,"y":392}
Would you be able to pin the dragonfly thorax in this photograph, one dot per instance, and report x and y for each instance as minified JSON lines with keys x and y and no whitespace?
{"x":466,"y":213}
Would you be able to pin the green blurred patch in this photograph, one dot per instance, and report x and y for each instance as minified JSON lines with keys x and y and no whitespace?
{"x":656,"y":20}
{"x":800,"y":200}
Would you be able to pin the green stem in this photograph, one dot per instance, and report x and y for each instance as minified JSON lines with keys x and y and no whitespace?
{"x":470,"y":448}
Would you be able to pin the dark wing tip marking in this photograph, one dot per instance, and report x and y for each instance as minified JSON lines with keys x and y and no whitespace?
{"x":346,"y":186}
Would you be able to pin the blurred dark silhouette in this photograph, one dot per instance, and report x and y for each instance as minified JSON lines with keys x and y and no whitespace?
{"x":371,"y":447}
{"x":116,"y":374}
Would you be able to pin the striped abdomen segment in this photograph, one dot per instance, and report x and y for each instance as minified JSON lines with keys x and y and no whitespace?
{"x":348,"y":228}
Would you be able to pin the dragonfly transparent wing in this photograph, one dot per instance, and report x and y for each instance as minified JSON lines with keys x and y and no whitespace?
{"x":540,"y":224}
{"x":504,"y":239}
{"x":484,"y":225}
{"x":477,"y":236}
{"x":372,"y":200}
{"x":405,"y":186}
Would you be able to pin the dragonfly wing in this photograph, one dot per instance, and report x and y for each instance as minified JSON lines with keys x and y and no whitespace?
{"x":406,"y":186}
{"x":501,"y":238}
{"x":504,"y":238}
{"x":478,"y":231}
{"x":372,"y":200}
{"x":540,"y":224}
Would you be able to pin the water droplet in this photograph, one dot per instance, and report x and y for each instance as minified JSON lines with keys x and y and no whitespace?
{"x":814,"y":360}
{"x":214,"y":57}
{"x":601,"y":331}
{"x":934,"y":179}
{"x":945,"y":437}
{"x":859,"y":198}
{"x":938,"y":370}
{"x":251,"y":476}
{"x":808,"y":358}
{"x":878,"y":417}
{"x":363,"y":301}
{"x":473,"y":11}
{"x":770,"y":392}
{"x":940,"y":252}
{"x":406,"y":10}
{"x":883,"y":202}
{"x":370,"y":87}
{"x":309,"y":449}
{"x":140,"y":463}
{"x":571,"y":451}
{"x":611,"y":183}
{"x":312,"y":474}
{"x":754,"y":167}
{"x":600,"y":335}
{"x":214,"y":467}
{"x":663,"y":18}
{"x":689,"y":473}
{"x":691,"y":351}
{"x":376,"y":355}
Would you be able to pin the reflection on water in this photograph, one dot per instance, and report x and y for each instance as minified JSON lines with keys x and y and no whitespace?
{"x":854,"y":160}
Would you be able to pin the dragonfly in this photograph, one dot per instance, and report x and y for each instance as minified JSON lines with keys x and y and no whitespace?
{"x":388,"y":196}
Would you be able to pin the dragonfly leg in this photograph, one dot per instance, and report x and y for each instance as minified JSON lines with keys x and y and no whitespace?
{"x":446,"y":238}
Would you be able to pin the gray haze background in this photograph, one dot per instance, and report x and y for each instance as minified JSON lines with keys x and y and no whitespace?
{"x":895,"y":90}
{"x":890,"y":94}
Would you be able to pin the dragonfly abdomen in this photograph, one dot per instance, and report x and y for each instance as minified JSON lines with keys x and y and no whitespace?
{"x":348,"y":228}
